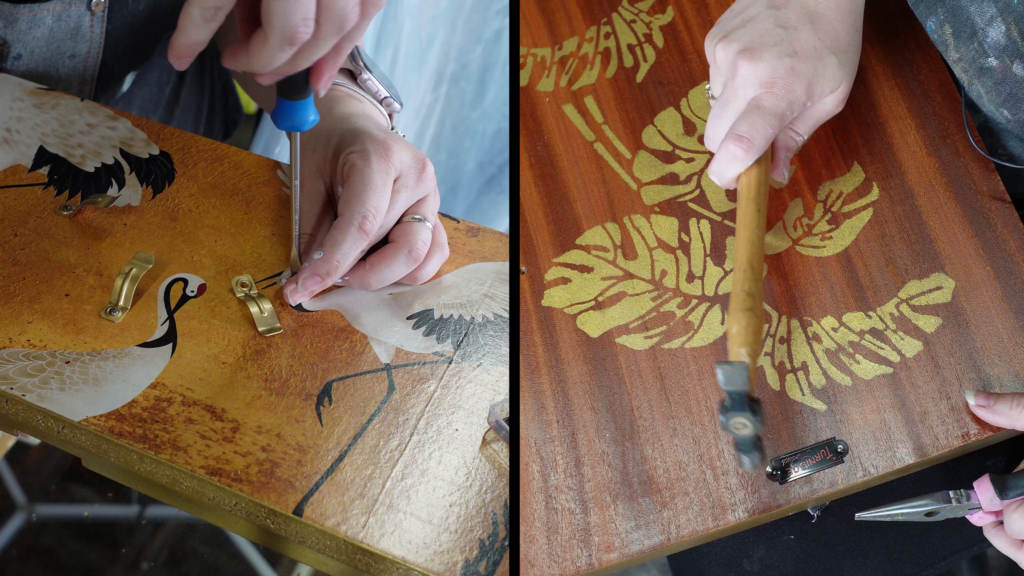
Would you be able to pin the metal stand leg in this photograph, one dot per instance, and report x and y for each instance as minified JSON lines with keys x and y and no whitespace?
{"x":27,"y":512}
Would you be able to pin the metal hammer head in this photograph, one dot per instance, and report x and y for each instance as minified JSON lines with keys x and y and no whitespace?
{"x":740,"y":414}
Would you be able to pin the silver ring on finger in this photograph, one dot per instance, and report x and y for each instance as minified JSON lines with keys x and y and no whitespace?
{"x":707,"y":92}
{"x":420,"y":219}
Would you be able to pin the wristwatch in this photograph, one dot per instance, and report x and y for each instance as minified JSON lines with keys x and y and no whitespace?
{"x":373,"y":81}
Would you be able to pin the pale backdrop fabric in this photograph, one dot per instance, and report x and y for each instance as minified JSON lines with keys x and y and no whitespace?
{"x":449,"y":60}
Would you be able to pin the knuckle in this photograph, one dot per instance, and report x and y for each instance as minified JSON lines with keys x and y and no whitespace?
{"x":738,"y":144}
{"x":835,"y":106}
{"x":778,"y":101}
{"x":747,"y":62}
{"x":300,"y":32}
{"x":721,"y":49}
{"x":418,"y":249}
{"x":789,"y":141}
{"x":424,"y":169}
{"x":385,"y":155}
{"x":332,"y":267}
{"x":366,"y":224}
{"x":709,"y":46}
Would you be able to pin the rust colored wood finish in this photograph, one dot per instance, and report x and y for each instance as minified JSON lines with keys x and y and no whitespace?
{"x":894,"y":272}
{"x":399,"y":478}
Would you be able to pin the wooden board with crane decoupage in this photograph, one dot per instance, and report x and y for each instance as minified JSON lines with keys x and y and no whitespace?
{"x":895,"y":262}
{"x":356,"y":440}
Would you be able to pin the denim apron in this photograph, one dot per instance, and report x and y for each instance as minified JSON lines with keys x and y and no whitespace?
{"x":59,"y":44}
{"x":983,"y":43}
{"x":28,"y":50}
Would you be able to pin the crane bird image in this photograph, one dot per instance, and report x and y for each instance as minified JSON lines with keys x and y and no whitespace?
{"x":79,"y":384}
{"x":84,"y":149}
{"x":463,"y":313}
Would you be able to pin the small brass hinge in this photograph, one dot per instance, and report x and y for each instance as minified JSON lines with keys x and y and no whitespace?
{"x":124,"y":286}
{"x":68,"y":209}
{"x":260,"y":306}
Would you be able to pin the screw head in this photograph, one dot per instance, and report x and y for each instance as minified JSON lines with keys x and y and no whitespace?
{"x":840,"y":449}
{"x":113,"y":311}
{"x":67,"y":208}
{"x":522,"y":270}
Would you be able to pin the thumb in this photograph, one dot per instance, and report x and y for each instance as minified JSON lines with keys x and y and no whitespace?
{"x":748,"y":137}
{"x":1003,"y":410}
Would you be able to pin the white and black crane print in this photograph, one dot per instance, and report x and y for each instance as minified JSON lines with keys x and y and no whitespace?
{"x":464,"y":313}
{"x":83,"y":148}
{"x":79,"y":384}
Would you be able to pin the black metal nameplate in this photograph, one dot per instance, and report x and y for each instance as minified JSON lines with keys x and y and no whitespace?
{"x":807,"y":461}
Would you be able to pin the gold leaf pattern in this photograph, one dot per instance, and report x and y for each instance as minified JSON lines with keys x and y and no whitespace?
{"x":842,"y":210}
{"x":673,"y":167}
{"x":679,"y":132}
{"x":798,"y":353}
{"x":672,"y":292}
{"x":660,"y":281}
{"x":632,"y":31}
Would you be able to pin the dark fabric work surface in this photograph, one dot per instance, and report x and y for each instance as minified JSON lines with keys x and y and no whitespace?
{"x":838,"y":545}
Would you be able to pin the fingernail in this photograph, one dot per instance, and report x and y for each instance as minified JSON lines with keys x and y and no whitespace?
{"x":293,"y":296}
{"x":180,"y":64}
{"x":980,"y":398}
{"x":310,"y":283}
{"x":715,"y":180}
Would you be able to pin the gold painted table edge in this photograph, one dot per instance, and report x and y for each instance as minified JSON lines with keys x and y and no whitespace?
{"x":801,"y":506}
{"x":200,"y":496}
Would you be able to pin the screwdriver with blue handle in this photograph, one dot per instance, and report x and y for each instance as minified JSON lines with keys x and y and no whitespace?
{"x":982,"y":505}
{"x":294,"y":113}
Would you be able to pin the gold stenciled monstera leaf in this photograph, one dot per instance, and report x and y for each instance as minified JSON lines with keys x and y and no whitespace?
{"x":650,"y":283}
{"x":679,"y":133}
{"x":674,"y":167}
{"x":672,"y":292}
{"x":842,"y":210}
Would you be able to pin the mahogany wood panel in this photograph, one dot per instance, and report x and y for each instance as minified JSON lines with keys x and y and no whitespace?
{"x":395,"y":482}
{"x":894,"y":276}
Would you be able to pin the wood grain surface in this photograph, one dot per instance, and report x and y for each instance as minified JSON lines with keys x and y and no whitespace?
{"x":894,"y":273}
{"x":229,"y":429}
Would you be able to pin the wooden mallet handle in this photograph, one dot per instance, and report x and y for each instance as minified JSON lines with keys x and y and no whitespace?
{"x":746,"y":314}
